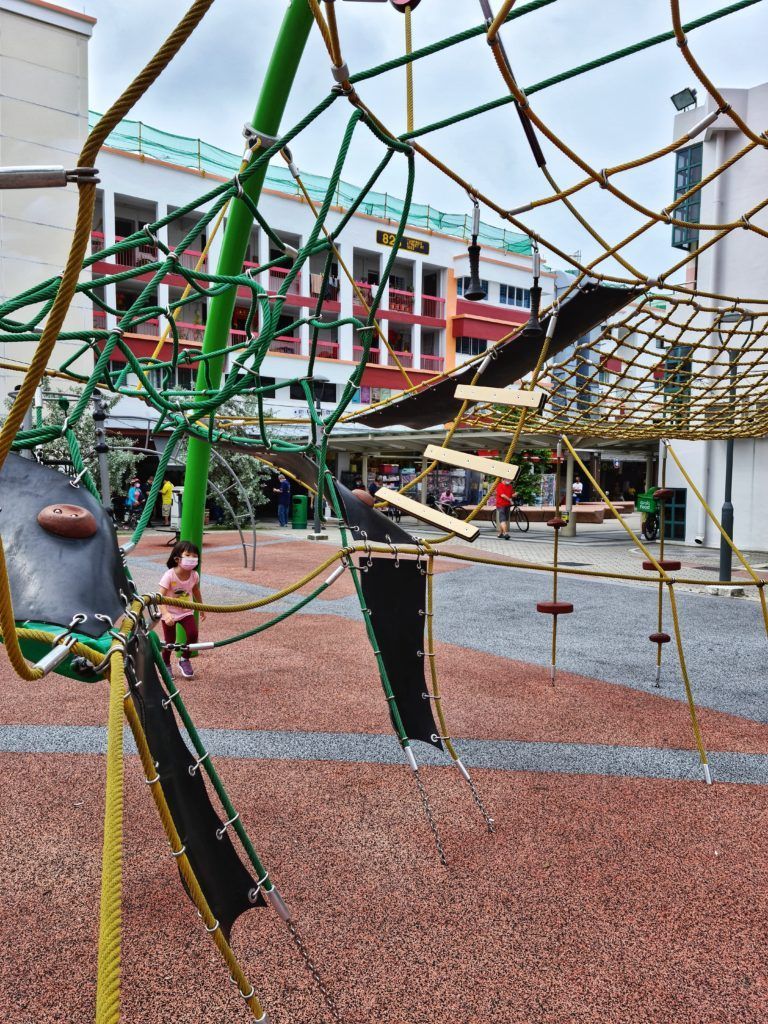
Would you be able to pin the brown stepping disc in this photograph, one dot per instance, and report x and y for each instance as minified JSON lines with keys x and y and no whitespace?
{"x":554,"y":607}
{"x":659,"y":638}
{"x":668,"y":564}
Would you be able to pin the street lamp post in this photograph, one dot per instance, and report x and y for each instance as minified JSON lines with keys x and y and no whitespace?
{"x":317,"y":528}
{"x":726,"y":513}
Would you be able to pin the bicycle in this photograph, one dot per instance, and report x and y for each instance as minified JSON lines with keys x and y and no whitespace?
{"x":650,"y":527}
{"x":516,"y":516}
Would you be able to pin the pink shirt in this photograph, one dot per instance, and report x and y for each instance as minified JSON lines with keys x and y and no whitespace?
{"x":179,"y":588}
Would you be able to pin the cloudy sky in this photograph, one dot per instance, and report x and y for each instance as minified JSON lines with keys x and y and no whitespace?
{"x":607,"y":116}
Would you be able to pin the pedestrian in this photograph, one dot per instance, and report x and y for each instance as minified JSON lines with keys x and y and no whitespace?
{"x":133,"y":498}
{"x":283,"y":491}
{"x":577,"y":487}
{"x":166,"y":500}
{"x":183,"y":581}
{"x":448,"y":497}
{"x":505,"y":492}
{"x":377,"y":483}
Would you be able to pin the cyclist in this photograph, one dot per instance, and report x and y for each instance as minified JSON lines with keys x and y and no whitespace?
{"x":505,"y":493}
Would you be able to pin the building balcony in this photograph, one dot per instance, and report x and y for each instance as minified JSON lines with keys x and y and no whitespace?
{"x":315,"y":283}
{"x":433,"y":364}
{"x":433,"y":306}
{"x":366,"y":292}
{"x":401,"y":301}
{"x":286,"y":345}
{"x":373,"y":355}
{"x":145,"y":253}
{"x":327,"y":349}
{"x":406,"y":358}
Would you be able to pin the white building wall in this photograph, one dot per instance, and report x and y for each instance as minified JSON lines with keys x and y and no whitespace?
{"x":738,"y":266}
{"x":43,"y":120}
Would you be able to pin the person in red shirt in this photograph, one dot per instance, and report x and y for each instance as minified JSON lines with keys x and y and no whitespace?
{"x":505,"y":492}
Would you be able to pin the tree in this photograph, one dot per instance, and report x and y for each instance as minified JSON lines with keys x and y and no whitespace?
{"x":120,"y":458}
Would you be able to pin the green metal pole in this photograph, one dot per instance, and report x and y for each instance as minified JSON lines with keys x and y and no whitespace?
{"x":275,"y":90}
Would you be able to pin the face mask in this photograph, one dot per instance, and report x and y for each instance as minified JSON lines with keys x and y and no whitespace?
{"x":188,"y":563}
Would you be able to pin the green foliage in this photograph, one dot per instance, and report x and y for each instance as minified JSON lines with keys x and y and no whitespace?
{"x":528,"y":483}
{"x":253,"y":475}
{"x":121,"y":459}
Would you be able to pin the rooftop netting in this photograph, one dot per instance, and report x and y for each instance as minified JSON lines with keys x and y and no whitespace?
{"x":137,"y":137}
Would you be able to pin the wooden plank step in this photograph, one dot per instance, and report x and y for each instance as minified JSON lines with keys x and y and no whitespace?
{"x":428,"y":515}
{"x":491,"y":467}
{"x":503,"y":396}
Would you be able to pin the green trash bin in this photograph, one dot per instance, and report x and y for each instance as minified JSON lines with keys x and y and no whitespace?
{"x":299,"y":511}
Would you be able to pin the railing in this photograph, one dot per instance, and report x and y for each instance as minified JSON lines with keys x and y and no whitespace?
{"x":143,"y":253}
{"x":433,"y":306}
{"x":327,"y":349}
{"x":97,"y":241}
{"x":432,"y":363}
{"x":406,"y":358}
{"x":99,"y":319}
{"x":277,"y":277}
{"x":400,"y":301}
{"x":190,"y":258}
{"x":373,"y":355}
{"x":366,"y":291}
{"x":331,"y":290}
{"x":286,"y":344}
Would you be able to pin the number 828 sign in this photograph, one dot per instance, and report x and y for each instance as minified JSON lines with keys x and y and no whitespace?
{"x":409,"y":244}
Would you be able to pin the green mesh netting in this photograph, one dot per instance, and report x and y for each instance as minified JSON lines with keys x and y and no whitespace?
{"x":137,"y":137}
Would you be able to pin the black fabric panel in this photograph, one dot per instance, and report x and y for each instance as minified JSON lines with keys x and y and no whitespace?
{"x":396,"y":596}
{"x":52,"y":578}
{"x":217,"y":866}
{"x":435,"y":403}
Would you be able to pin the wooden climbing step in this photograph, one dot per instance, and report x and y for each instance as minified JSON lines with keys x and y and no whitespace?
{"x":503,"y":396}
{"x":468,"y":531}
{"x":491,"y":467}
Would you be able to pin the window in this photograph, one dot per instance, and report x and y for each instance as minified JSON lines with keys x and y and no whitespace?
{"x":462,"y":284}
{"x":510,"y":295}
{"x":688,"y":168}
{"x":470,"y":346}
{"x":324,"y":392}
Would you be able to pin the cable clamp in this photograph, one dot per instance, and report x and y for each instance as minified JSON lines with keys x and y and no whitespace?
{"x":253,"y":137}
{"x":75,"y":482}
{"x":340,"y":73}
{"x":178,"y":853}
{"x":151,"y":782}
{"x":429,"y":696}
{"x":192,"y":769}
{"x":603,"y":178}
{"x":220,"y":831}
{"x":682,"y":42}
{"x":238,"y":186}
{"x":245,"y":995}
{"x":213,"y":928}
{"x":745,"y":222}
{"x":169,"y":699}
{"x":435,"y":737}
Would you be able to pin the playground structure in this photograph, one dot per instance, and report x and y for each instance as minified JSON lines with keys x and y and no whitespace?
{"x":103,"y":626}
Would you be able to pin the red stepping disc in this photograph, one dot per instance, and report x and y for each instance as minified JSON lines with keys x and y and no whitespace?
{"x":669,"y":564}
{"x":662,"y":493}
{"x":556,"y":523}
{"x":659,"y":638}
{"x":554,"y":607}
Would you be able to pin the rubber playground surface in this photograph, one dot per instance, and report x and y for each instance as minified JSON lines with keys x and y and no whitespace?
{"x":618,"y":887}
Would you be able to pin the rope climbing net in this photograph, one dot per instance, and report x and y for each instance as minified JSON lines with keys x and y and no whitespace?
{"x":667,"y":353}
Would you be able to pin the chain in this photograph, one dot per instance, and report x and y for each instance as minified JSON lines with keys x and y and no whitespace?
{"x":312,"y":968}
{"x":478,"y":800}
{"x":430,"y":818}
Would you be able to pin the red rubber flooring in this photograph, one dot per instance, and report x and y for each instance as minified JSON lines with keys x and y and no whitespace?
{"x":605,"y":900}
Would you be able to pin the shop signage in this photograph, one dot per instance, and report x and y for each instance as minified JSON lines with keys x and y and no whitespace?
{"x":409,"y":244}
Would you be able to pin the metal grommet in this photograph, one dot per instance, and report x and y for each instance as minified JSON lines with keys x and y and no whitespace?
{"x":220,"y":831}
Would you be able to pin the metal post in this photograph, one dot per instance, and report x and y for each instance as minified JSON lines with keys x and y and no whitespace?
{"x":569,"y":530}
{"x":99,"y":418}
{"x":275,"y":89}
{"x":726,"y":515}
{"x":424,"y":486}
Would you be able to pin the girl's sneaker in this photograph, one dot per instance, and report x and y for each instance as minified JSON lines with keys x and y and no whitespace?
{"x":185,"y":667}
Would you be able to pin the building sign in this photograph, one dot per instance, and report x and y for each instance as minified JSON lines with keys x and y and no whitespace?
{"x":409,"y":244}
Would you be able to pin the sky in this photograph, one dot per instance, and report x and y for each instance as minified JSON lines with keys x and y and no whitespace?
{"x":607,"y":116}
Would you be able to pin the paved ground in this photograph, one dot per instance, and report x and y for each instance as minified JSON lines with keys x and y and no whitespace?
{"x":618,"y":888}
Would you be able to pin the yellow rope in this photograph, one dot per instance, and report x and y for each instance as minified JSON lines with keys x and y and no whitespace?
{"x":8,"y":627}
{"x":435,"y":684}
{"x":110,"y":919}
{"x":408,"y":71}
{"x":190,"y":879}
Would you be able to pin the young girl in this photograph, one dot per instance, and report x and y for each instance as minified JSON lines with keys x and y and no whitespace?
{"x":181,"y":580}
